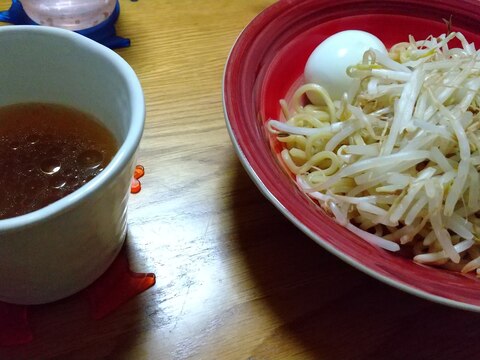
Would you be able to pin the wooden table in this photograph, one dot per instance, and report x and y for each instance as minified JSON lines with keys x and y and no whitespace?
{"x":235,"y":280}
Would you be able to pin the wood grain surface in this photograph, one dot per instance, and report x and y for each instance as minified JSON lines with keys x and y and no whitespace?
{"x":235,"y":280}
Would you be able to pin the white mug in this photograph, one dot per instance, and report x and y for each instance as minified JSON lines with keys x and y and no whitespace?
{"x":62,"y":248}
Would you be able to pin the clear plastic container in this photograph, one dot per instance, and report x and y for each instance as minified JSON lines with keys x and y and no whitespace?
{"x":69,"y":14}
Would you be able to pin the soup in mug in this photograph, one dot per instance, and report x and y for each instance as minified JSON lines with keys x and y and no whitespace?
{"x":47,"y":151}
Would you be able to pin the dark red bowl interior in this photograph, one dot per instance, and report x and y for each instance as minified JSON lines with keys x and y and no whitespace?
{"x":266,"y":64}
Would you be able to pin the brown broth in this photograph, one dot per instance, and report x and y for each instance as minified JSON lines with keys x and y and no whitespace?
{"x":47,"y":151}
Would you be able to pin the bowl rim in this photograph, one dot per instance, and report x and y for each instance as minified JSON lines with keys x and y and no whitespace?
{"x":124,"y":153}
{"x":269,"y":12}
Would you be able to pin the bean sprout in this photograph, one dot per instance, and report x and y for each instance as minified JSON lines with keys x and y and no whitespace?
{"x":397,"y":164}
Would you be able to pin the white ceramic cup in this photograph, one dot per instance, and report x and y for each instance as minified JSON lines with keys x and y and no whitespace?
{"x":62,"y":248}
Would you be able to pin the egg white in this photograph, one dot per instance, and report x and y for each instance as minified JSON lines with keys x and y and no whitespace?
{"x":328,"y":63}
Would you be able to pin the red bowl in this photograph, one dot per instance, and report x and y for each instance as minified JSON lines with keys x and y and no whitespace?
{"x":266,"y":64}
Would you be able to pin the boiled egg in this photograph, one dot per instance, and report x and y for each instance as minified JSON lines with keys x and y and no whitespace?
{"x":328,"y":63}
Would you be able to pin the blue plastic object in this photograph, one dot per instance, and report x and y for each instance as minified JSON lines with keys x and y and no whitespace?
{"x":103,"y":33}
